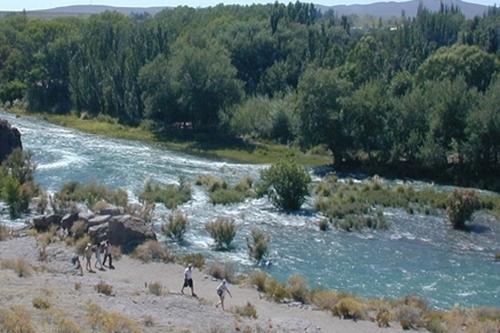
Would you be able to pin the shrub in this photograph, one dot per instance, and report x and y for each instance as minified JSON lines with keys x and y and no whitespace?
{"x":109,"y":322}
{"x":195,"y":259}
{"x":409,"y":316}
{"x":40,"y":303}
{"x":66,"y":325}
{"x":223,"y":231}
{"x":16,"y":319}
{"x":324,"y":299}
{"x":152,"y":251}
{"x":211,"y":183}
{"x":171,"y":195}
{"x":89,"y":194}
{"x":78,"y":229}
{"x":276,"y":290}
{"x":155,"y":288}
{"x":257,"y":244}
{"x":176,"y":226}
{"x":324,"y":225}
{"x":247,"y":310}
{"x":258,"y":278}
{"x":17,"y":196}
{"x":19,"y":266}
{"x":383,"y":318}
{"x":104,"y":288}
{"x":226,"y":196}
{"x":81,"y":244}
{"x":286,"y":183}
{"x":460,"y":206}
{"x":297,"y":288}
{"x":222,"y":271}
{"x":4,"y":232}
{"x":349,"y":308}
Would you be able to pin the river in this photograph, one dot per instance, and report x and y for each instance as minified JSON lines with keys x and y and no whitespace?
{"x":418,"y":255}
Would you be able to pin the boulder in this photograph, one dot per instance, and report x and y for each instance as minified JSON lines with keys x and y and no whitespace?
{"x":111,"y":210}
{"x":126,"y":230}
{"x":43,"y":223}
{"x":68,"y":220}
{"x":99,"y":233}
{"x":85,"y":216}
{"x":10,"y":139}
{"x":99,"y":219}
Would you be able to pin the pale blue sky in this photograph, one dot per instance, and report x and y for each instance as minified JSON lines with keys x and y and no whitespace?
{"x":43,"y":4}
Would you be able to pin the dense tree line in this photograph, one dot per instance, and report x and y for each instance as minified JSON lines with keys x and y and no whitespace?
{"x":414,"y":93}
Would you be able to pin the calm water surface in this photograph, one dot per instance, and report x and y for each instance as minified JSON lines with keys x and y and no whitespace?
{"x":419,"y":255}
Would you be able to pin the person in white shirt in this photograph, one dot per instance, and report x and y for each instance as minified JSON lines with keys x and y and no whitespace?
{"x":188,"y":279}
{"x":221,"y":292}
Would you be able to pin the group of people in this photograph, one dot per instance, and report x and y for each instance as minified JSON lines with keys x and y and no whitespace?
{"x":221,"y":289}
{"x":102,"y":253}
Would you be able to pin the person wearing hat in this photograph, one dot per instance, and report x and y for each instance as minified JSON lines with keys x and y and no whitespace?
{"x":188,"y":279}
{"x":88,"y":257}
{"x":221,"y":292}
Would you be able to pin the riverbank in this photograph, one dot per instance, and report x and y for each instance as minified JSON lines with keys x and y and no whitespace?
{"x":52,"y":281}
{"x":231,"y":150}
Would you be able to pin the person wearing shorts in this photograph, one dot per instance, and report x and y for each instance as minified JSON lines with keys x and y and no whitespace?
{"x":188,"y":279}
{"x":221,"y":292}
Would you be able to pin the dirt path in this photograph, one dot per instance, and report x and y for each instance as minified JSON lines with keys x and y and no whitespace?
{"x":171,"y":312}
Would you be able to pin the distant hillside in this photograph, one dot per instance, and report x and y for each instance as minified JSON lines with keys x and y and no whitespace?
{"x":390,"y":9}
{"x":377,"y":9}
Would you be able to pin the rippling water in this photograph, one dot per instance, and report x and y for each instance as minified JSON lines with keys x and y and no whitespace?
{"x":419,"y":255}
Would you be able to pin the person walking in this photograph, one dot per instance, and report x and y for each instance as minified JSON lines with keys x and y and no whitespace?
{"x":88,"y":257}
{"x":107,"y":255}
{"x":78,"y":266}
{"x":188,"y":279}
{"x":221,"y":292}
{"x":99,"y":252}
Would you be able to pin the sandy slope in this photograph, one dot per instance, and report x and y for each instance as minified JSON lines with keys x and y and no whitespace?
{"x":172,"y":312}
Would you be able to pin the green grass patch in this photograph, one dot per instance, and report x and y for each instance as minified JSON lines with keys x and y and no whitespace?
{"x":171,"y":195}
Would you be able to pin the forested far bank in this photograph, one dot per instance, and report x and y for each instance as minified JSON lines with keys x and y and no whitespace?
{"x":419,"y":96}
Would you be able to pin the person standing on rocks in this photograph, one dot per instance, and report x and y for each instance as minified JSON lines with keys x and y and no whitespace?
{"x":221,"y":292}
{"x":188,"y":279}
{"x":88,"y":257}
{"x":107,"y":255}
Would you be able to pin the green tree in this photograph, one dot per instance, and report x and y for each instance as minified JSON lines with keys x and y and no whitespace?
{"x":286,"y":183}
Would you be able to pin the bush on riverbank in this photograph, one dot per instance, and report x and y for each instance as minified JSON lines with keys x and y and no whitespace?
{"x":176,"y":226}
{"x":223,"y":231}
{"x":74,"y":192}
{"x":152,"y":251}
{"x":220,"y":192}
{"x":171,"y":195}
{"x":257,"y":244}
{"x":460,"y":206}
{"x":17,"y":186}
{"x":286,"y":184}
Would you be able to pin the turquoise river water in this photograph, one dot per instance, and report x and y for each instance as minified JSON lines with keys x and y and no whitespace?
{"x":418,"y":255}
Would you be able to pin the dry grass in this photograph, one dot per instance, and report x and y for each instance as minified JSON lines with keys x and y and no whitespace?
{"x":156,"y":288}
{"x":297,"y":288}
{"x":47,"y":237}
{"x":383,"y":318}
{"x":247,"y":310}
{"x":41,"y":303}
{"x":16,"y":319}
{"x":222,"y":271}
{"x":258,"y":279}
{"x":109,"y":322}
{"x":195,"y":259}
{"x":104,"y":288}
{"x":349,"y":308}
{"x":152,"y":251}
{"x":19,"y":266}
{"x":67,"y":325}
{"x":4,"y":232}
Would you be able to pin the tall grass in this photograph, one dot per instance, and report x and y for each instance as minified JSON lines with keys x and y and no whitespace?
{"x":176,"y":226}
{"x":171,"y":195}
{"x":258,"y":244}
{"x":90,"y":194}
{"x":223,"y":231}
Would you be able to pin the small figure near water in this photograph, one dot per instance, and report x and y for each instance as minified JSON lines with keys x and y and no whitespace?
{"x":188,"y":280}
{"x":221,"y":292}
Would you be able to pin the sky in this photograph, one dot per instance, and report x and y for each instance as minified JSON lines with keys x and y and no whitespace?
{"x":15,"y":5}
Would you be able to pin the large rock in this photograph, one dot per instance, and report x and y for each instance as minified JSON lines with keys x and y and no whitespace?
{"x":68,"y":220}
{"x":10,"y":139}
{"x":127,"y":231}
{"x":43,"y":223}
{"x":85,"y":216}
{"x":99,"y":219}
{"x":99,"y":232}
